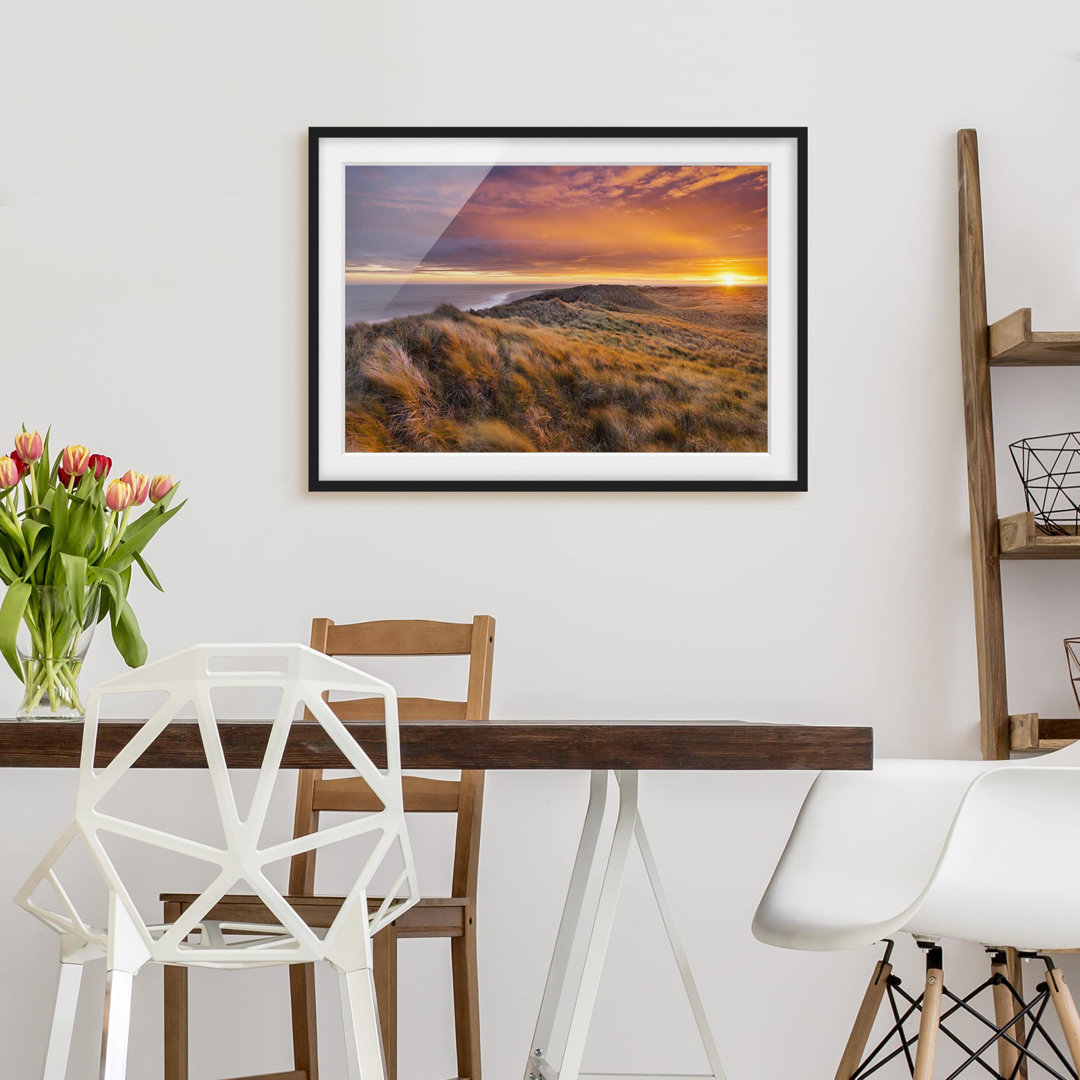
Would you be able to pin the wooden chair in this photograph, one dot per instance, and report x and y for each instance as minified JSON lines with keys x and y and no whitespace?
{"x":452,"y":917}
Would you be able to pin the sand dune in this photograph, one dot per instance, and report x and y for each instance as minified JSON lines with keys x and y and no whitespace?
{"x":597,"y":368}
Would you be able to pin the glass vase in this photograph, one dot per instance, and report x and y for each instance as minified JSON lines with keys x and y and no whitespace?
{"x":52,"y":642}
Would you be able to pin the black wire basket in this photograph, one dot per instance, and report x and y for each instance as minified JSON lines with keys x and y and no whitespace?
{"x":1072,"y":651}
{"x":1049,"y":467}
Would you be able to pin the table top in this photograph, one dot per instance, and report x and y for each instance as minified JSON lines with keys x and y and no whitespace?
{"x":468,"y":744}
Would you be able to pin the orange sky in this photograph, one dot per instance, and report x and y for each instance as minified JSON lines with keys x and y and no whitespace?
{"x":557,"y":224}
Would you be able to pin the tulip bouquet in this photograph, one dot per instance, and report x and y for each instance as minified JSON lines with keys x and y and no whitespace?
{"x":68,"y":542}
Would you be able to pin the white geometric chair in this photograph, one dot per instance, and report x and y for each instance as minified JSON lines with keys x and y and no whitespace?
{"x":301,"y":677}
{"x":976,"y":850}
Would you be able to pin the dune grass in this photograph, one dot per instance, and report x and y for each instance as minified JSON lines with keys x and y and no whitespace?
{"x":594,"y":368}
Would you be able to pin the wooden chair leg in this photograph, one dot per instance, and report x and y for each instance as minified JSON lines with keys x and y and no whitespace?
{"x":864,"y":1020}
{"x":1066,"y":1012}
{"x":931,"y":1016}
{"x":384,"y":947}
{"x":305,"y":1032}
{"x":1004,"y":1010}
{"x":466,"y":998}
{"x":176,"y":1011}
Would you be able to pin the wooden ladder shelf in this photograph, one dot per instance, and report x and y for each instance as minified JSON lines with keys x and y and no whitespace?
{"x":1007,"y":342}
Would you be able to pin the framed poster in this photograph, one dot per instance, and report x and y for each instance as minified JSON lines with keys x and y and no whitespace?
{"x":557,"y":308}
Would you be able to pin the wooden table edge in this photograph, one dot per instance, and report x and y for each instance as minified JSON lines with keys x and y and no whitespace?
{"x":492,"y":744}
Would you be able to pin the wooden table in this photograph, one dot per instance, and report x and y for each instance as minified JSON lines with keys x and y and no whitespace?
{"x":603,"y":747}
{"x":468,"y":744}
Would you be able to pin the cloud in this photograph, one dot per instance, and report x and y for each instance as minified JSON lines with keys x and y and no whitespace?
{"x":518,"y":219}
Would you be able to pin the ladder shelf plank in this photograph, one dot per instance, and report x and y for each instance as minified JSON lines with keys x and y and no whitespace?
{"x":1014,"y":344}
{"x":1021,"y":539}
{"x":1029,"y":731}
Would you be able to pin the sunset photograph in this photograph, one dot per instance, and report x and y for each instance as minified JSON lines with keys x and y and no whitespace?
{"x":556,"y":308}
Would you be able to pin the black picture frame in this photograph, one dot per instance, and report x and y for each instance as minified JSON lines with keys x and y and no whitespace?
{"x":798,"y":482}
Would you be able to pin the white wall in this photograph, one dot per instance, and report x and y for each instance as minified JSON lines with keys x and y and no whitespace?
{"x":152,"y":290}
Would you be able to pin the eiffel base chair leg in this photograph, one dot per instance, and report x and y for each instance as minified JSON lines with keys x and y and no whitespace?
{"x":1065,"y":1008}
{"x":864,"y":1019}
{"x":931,"y":1016}
{"x":1005,"y":1008}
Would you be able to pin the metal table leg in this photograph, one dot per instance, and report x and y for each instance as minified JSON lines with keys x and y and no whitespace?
{"x":568,"y":941}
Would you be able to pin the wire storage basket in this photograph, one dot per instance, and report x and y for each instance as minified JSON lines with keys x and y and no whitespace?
{"x":1072,"y":652}
{"x":1049,"y":468}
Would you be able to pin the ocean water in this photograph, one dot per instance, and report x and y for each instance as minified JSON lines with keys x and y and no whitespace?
{"x":375,"y":302}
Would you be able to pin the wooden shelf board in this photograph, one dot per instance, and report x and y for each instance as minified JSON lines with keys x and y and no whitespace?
{"x":1021,"y":539}
{"x":1013,"y":344}
{"x":1029,"y":731}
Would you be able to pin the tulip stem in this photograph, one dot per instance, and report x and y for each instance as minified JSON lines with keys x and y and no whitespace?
{"x":120,"y":527}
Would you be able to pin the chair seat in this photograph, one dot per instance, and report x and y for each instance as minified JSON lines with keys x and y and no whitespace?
{"x":861,"y":853}
{"x":431,"y":916}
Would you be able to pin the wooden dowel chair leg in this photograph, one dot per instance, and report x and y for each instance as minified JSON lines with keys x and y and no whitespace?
{"x":305,"y":1031}
{"x":466,"y":999}
{"x":175,"y":1009}
{"x":864,"y":1019}
{"x":384,"y":949}
{"x":176,"y":1023}
{"x":1004,"y":1010}
{"x":1066,"y":1012}
{"x":931,"y":1016}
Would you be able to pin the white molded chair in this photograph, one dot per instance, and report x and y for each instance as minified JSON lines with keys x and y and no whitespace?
{"x":300,"y":676}
{"x":924,"y":847}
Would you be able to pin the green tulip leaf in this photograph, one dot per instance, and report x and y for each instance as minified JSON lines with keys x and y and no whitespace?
{"x":11,"y":613}
{"x":7,"y":570}
{"x":103,"y":575}
{"x":75,"y":579}
{"x":150,"y":575}
{"x":39,"y":548}
{"x":126,"y":635}
{"x":58,"y":518}
{"x":141,"y":531}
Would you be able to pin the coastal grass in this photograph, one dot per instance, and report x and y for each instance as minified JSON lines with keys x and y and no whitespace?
{"x":603,"y":368}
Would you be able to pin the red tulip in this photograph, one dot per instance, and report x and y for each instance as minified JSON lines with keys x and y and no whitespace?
{"x":160,"y":486}
{"x":75,"y":460}
{"x":99,"y":464}
{"x":23,"y":467}
{"x":66,"y":478}
{"x":9,"y":473}
{"x":118,"y":495}
{"x":140,"y":486}
{"x":30,"y":445}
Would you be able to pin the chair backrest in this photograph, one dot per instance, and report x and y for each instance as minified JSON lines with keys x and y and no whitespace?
{"x":297,"y":676}
{"x":464,"y":797}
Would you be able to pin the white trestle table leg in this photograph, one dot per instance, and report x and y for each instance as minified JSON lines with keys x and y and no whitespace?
{"x":63,"y":1024}
{"x":565,"y":940}
{"x":628,"y":826}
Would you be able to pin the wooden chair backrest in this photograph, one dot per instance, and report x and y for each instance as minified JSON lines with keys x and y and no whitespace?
{"x":464,"y":797}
